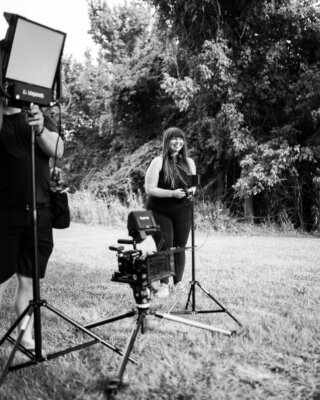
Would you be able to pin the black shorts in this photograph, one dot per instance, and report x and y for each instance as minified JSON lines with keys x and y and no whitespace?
{"x":17,"y":243}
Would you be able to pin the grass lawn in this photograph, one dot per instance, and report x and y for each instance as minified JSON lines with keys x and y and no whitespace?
{"x":270,"y":283}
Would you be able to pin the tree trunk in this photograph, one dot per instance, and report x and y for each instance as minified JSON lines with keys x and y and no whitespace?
{"x":220,"y":186}
{"x":248,"y":210}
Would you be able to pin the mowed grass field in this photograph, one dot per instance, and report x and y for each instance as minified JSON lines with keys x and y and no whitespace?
{"x":270,"y":283}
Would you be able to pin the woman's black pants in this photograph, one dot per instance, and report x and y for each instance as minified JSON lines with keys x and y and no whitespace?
{"x":175,"y":225}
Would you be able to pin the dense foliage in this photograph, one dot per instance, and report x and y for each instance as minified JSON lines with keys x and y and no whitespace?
{"x":242,"y":79}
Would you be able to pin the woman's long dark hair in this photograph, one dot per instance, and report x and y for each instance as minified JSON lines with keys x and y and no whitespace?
{"x":172,"y":171}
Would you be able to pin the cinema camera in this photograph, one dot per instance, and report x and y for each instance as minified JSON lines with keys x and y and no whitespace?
{"x":140,"y":269}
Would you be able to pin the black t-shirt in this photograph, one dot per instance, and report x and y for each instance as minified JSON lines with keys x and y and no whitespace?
{"x":15,"y":163}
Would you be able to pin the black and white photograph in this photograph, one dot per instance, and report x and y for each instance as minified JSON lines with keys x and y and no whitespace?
{"x":160,"y":200}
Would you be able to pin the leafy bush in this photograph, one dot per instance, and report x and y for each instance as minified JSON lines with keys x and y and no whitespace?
{"x":282,"y":174}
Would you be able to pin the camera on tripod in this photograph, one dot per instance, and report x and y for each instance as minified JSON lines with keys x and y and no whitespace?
{"x":135,"y":267}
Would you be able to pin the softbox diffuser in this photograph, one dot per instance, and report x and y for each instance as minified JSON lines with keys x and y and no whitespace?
{"x":31,"y":60}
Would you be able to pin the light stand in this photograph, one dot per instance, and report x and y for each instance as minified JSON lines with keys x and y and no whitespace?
{"x":35,"y":305}
{"x":190,"y":307}
{"x":23,"y":84}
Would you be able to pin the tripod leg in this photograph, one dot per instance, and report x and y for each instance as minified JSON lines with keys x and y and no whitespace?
{"x":113,"y":384}
{"x":83,"y":329}
{"x":189,"y":296}
{"x":28,"y":312}
{"x":111,"y":319}
{"x":13,"y":327}
{"x":219,"y":304}
{"x":194,"y":323}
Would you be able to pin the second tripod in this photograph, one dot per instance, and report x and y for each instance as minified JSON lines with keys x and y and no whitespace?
{"x":191,"y":307}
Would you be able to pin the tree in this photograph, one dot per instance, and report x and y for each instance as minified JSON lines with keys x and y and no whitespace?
{"x":117,"y":102}
{"x":132,"y":50}
{"x":247,"y":81}
{"x":241,"y":77}
{"x":117,"y":29}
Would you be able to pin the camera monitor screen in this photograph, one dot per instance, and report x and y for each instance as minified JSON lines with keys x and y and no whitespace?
{"x":35,"y":54}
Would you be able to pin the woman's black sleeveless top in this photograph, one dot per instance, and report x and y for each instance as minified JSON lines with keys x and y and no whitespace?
{"x":160,"y":202}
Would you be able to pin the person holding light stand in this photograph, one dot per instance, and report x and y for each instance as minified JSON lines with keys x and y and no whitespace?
{"x":16,"y":219}
{"x":167,"y":186}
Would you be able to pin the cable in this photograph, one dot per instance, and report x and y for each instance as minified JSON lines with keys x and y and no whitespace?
{"x":64,"y":108}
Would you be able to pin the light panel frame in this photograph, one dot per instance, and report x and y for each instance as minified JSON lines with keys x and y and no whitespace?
{"x":31,"y":61}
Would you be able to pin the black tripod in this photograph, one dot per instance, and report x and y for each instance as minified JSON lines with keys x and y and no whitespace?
{"x":141,"y":289}
{"x":142,"y":292}
{"x":35,"y":305}
{"x":190,"y":307}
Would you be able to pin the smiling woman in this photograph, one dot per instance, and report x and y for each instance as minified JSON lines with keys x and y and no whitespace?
{"x":167,"y":185}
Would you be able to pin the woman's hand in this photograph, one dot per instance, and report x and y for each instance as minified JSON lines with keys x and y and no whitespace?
{"x":178,"y":193}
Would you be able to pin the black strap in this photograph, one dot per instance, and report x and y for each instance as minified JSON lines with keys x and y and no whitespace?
{"x":56,"y":150}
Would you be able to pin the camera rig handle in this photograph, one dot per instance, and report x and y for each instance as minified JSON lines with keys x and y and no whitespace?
{"x":128,"y":241}
{"x":117,"y":249}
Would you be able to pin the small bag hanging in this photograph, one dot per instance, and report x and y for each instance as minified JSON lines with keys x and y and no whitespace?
{"x":60,"y":209}
{"x":59,"y":202}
